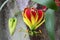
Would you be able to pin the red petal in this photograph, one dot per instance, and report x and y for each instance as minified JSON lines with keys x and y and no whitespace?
{"x":33,"y":11}
{"x":39,"y":14}
{"x":28,"y":13}
{"x":44,"y":8}
{"x":25,"y":9}
{"x":57,"y":2}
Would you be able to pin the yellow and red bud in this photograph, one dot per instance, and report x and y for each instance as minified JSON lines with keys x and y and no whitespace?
{"x":32,"y":17}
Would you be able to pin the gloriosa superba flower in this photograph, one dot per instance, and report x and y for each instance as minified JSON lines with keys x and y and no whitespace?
{"x":33,"y":17}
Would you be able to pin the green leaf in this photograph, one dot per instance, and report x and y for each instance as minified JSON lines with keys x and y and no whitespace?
{"x":49,"y":3}
{"x":12,"y":25}
{"x":50,"y":21}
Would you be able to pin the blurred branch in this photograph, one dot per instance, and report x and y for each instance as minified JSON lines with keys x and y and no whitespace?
{"x":32,"y":4}
{"x":3,"y":5}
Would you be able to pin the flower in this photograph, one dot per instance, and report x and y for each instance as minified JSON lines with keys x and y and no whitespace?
{"x":33,"y":17}
{"x":44,"y":8}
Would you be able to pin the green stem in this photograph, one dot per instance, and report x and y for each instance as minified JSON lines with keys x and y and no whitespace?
{"x":3,"y":5}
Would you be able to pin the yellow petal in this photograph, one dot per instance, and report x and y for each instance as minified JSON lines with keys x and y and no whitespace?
{"x":39,"y":20}
{"x":36,"y":17}
{"x":27,"y":21}
{"x":40,"y":24}
{"x":32,"y":19}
